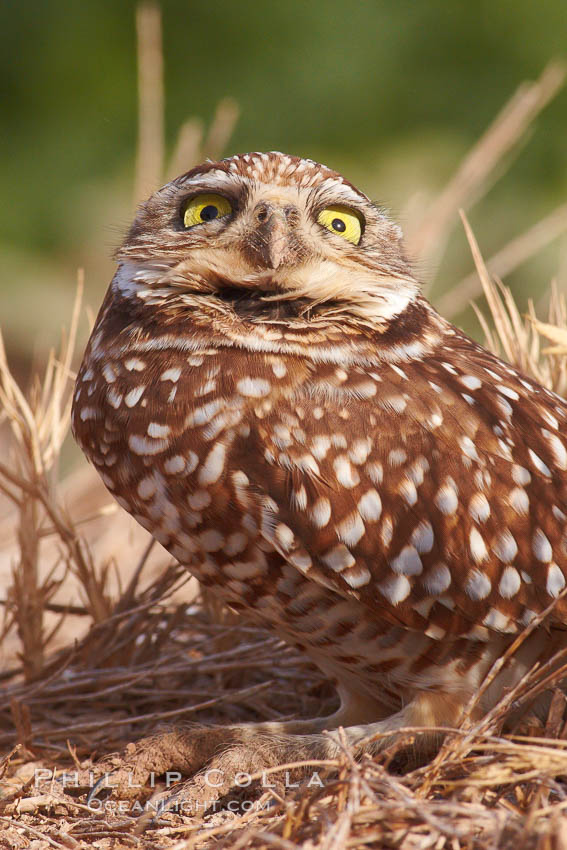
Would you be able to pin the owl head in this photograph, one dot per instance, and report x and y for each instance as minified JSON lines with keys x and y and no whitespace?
{"x":262,"y":229}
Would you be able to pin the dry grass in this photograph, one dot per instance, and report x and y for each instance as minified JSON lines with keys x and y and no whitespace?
{"x":104,"y":638}
{"x":518,"y":338}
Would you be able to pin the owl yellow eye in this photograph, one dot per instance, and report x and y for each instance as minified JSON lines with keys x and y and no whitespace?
{"x":203,"y":208}
{"x":342,"y":221}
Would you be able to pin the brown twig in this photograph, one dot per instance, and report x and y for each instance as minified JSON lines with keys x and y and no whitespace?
{"x":471,"y":180}
{"x":149,"y":165}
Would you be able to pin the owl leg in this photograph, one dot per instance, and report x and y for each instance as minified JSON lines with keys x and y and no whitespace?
{"x":360,"y":729}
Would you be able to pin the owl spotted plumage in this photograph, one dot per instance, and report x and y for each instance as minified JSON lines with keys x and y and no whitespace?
{"x":266,"y":391}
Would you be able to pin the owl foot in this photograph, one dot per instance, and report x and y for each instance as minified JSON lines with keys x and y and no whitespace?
{"x":223,"y":759}
{"x":235,"y":779}
{"x":220,"y":752}
{"x":139,"y":769}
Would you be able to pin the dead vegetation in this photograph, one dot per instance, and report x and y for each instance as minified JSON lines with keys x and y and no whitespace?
{"x":104,"y":638}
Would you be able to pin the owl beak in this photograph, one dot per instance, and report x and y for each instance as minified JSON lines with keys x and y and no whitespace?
{"x":270,"y":241}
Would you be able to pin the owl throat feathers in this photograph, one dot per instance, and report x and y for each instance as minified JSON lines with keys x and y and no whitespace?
{"x":279,"y":311}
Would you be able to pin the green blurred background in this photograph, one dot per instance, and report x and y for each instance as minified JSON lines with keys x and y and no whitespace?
{"x":392,"y":93}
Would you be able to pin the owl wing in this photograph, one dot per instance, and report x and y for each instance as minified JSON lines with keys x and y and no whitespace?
{"x":433,"y":493}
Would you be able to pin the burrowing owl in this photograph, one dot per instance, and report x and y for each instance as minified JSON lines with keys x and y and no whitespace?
{"x":267,"y":392}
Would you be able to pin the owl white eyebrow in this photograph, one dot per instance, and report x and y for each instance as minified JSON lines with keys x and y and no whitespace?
{"x":342,"y":191}
{"x":216,"y":180}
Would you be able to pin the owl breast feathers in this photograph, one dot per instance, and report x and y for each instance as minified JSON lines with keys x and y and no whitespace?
{"x":266,"y":391}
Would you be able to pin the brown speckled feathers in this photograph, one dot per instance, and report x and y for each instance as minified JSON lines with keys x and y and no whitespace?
{"x":315,"y":442}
